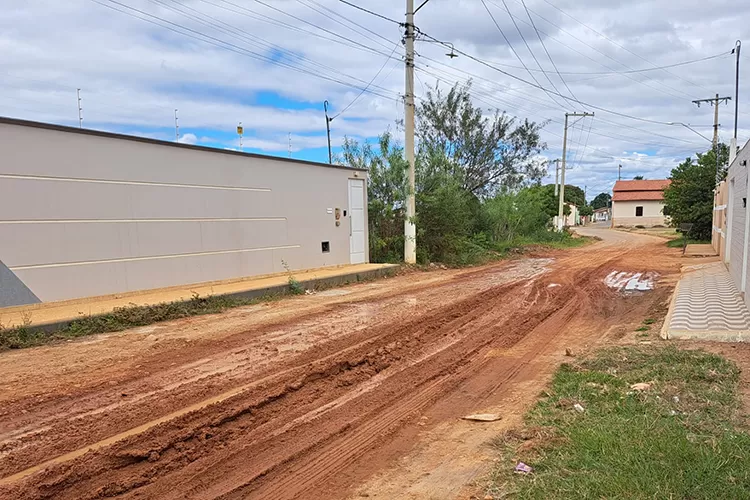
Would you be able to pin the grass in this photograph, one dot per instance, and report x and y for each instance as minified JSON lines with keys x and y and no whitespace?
{"x":132,"y":316}
{"x":678,"y":242}
{"x":120,"y":319}
{"x":680,"y":438}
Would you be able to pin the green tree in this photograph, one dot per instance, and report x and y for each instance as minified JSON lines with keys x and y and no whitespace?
{"x":586,"y":211}
{"x":689,"y":198}
{"x":574,"y":195}
{"x":483,"y":154}
{"x":386,"y":192}
{"x":638,"y":178}
{"x":602,"y":200}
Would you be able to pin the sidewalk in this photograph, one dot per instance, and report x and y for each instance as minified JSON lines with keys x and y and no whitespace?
{"x":54,"y":314}
{"x":707,"y":306}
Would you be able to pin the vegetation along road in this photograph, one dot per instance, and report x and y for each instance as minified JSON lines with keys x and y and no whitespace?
{"x":355,"y":391}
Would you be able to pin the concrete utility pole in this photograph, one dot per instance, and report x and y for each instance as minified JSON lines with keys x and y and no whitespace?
{"x":176,"y":127}
{"x":714,"y":101}
{"x":619,"y":172}
{"x":560,"y":211}
{"x":410,"y":229}
{"x":557,"y":175}
{"x":736,"y":51}
{"x":80,"y":109}
{"x":328,"y":130}
{"x":240,"y":132}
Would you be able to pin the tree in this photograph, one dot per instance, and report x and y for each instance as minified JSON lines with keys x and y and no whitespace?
{"x":638,"y":178}
{"x":586,"y":211}
{"x":483,"y":154}
{"x":386,"y":193}
{"x":575,"y":195}
{"x":602,"y":200}
{"x":689,"y":198}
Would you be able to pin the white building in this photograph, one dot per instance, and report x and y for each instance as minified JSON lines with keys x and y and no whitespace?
{"x":639,"y":203}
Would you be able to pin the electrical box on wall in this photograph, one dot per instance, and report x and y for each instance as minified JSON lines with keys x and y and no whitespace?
{"x":338,"y":217}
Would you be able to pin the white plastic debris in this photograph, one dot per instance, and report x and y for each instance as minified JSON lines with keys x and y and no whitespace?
{"x":577,"y":407}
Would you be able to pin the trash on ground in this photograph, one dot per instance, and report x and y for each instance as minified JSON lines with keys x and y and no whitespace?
{"x":630,"y":282}
{"x":553,"y":285}
{"x":577,"y":407}
{"x":641,"y":386}
{"x":522,"y":468}
{"x":676,"y":399}
{"x":483,"y":417}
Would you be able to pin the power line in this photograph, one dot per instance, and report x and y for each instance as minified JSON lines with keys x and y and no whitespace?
{"x":224,"y":44}
{"x":544,"y":46}
{"x":510,"y":46}
{"x":371,"y":12}
{"x":618,"y":45}
{"x":367,"y":86}
{"x":563,"y":30}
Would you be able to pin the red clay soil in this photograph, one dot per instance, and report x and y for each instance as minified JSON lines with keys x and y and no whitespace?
{"x":302,"y":398}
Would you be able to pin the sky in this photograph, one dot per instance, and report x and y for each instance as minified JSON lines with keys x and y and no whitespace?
{"x":271,"y":64}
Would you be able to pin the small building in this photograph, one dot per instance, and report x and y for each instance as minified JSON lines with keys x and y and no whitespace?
{"x":639,"y":203}
{"x":600,"y":215}
{"x":732,"y":221}
{"x":88,"y":213}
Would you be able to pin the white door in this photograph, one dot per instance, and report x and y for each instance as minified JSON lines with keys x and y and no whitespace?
{"x":357,"y":220}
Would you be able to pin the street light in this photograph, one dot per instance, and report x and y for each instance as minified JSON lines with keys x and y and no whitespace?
{"x":691,"y":129}
{"x":716,"y":145}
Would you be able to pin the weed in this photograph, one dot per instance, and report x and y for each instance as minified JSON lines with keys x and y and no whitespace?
{"x":643,"y":329}
{"x":681,"y":437}
{"x":649,"y":321}
{"x":295,"y":287}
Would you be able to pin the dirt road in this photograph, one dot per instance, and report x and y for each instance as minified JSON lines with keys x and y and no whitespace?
{"x":346,"y":392}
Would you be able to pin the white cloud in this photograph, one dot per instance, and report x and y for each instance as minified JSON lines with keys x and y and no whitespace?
{"x":134,"y":74}
{"x":188,"y":139}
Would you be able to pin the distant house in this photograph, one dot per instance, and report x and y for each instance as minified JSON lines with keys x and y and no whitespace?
{"x":639,"y":203}
{"x":600,"y":215}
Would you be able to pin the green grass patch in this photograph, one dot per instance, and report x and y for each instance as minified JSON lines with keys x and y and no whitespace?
{"x":643,"y":329}
{"x":120,"y":319}
{"x":649,"y":321}
{"x":679,"y":242}
{"x":682,"y":437}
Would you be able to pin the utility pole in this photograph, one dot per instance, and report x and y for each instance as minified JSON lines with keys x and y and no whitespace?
{"x":240,"y":132}
{"x":736,"y":51}
{"x":176,"y":127}
{"x":560,"y":211}
{"x":557,"y":174}
{"x":619,"y":172}
{"x":714,"y":101}
{"x":410,"y":229}
{"x":80,"y":109}
{"x":290,"y":144}
{"x":328,"y":129}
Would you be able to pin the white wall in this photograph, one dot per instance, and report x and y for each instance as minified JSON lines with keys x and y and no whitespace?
{"x":85,"y":214}
{"x":737,"y":224}
{"x":623,"y":213}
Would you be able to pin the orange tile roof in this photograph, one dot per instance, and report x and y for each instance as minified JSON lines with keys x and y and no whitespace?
{"x":655,"y":185}
{"x":638,"y":196}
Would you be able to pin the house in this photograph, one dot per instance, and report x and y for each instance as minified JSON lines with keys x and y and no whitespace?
{"x":89,"y":213}
{"x":600,"y":215}
{"x":639,"y":203}
{"x":573,"y":218}
{"x":732,"y":222}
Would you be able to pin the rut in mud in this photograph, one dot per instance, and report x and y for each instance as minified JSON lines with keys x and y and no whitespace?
{"x":302,"y":407}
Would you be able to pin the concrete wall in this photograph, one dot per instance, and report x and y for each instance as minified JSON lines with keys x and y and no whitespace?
{"x":719,"y":226}
{"x":85,"y":214}
{"x":737,"y":223}
{"x":623,"y":213}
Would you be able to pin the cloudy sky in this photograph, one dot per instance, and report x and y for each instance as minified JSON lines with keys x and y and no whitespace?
{"x":270,"y":64}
